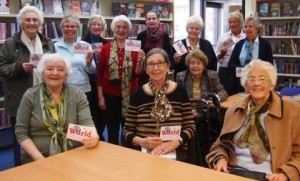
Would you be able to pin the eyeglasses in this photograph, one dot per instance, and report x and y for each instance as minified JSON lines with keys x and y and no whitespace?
{"x":260,"y":80}
{"x":151,"y":65}
{"x":196,"y":63}
{"x":29,"y":20}
{"x":70,"y":26}
{"x":97,"y":24}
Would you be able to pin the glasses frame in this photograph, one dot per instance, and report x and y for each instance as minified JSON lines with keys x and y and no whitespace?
{"x":151,"y":65}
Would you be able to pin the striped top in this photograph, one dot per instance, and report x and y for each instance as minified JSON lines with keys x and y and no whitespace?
{"x":139,"y":123}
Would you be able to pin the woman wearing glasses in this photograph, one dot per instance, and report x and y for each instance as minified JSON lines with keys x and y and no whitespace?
{"x":82,"y":63}
{"x":261,"y":132}
{"x":117,"y":77}
{"x":252,"y":47}
{"x":158,"y":108}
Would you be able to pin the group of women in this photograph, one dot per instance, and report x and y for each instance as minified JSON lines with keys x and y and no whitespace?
{"x":70,"y":82}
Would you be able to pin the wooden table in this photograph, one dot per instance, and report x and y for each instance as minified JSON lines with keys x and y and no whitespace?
{"x":112,"y":163}
{"x":232,"y":99}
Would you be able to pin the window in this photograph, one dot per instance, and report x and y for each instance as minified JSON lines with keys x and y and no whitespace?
{"x":182,"y":9}
{"x":212,"y":22}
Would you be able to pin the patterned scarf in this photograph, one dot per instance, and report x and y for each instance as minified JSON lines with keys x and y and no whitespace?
{"x":254,"y":136}
{"x":162,"y":109}
{"x":54,"y":118}
{"x":153,"y":36}
{"x":127,"y":72}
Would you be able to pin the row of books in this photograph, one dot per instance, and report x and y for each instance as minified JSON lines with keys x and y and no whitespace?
{"x":291,"y":47}
{"x":288,"y":28}
{"x":286,"y":82}
{"x":53,"y":30}
{"x":4,"y":119}
{"x":139,"y":10}
{"x":58,"y":7}
{"x":287,"y":67}
{"x":277,"y":9}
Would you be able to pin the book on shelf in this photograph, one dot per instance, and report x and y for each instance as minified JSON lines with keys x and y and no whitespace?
{"x":287,"y":9}
{"x":26,"y":2}
{"x":57,"y":6}
{"x":85,"y":8}
{"x":140,"y":10}
{"x":275,"y":10}
{"x":166,"y":11}
{"x":131,"y":10}
{"x":263,"y":9}
{"x":119,"y":9}
{"x":96,"y":7}
{"x":76,"y":7}
{"x":39,"y":5}
{"x":4,"y":6}
{"x":48,"y":6}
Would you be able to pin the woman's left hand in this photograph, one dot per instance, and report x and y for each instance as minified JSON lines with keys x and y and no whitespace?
{"x":89,"y":59}
{"x":166,"y":147}
{"x":141,"y":56}
{"x":277,"y":177}
{"x":90,"y":142}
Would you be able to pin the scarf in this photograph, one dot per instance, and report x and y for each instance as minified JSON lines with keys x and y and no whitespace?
{"x":114,"y":77}
{"x":254,"y":136}
{"x":54,"y":118}
{"x":162,"y":109}
{"x":34,"y":47}
{"x":153,"y":36}
{"x":249,"y":49}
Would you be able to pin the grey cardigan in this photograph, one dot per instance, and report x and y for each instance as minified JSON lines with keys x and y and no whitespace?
{"x":30,"y":123}
{"x":209,"y":83}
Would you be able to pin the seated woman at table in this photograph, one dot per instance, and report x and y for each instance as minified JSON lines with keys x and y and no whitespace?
{"x":199,"y":81}
{"x":47,"y":109}
{"x":159,"y":105}
{"x":261,"y":132}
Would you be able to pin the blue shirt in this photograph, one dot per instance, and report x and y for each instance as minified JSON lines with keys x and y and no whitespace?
{"x":79,"y":75}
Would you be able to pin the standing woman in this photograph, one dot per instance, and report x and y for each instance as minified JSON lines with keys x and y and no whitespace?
{"x":96,"y":26}
{"x":194,"y":27}
{"x":117,"y":77}
{"x":152,"y":37}
{"x":223,"y":51}
{"x":159,"y":104}
{"x":15,"y":68}
{"x":252,"y":47}
{"x":82,"y":64}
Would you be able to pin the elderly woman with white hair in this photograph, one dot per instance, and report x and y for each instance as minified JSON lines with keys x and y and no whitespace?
{"x":194,"y":27}
{"x":82,"y":63}
{"x":117,"y":77}
{"x":261,"y":132}
{"x":47,"y":109}
{"x":249,"y":48}
{"x":17,"y":71}
{"x":226,"y":44}
{"x":96,"y":26}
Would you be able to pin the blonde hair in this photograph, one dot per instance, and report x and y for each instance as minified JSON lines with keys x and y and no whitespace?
{"x":196,"y":53}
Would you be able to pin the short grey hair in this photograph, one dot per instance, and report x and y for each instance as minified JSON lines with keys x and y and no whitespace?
{"x":70,"y":17}
{"x":237,"y":16}
{"x":258,"y":63}
{"x":29,"y":9}
{"x":118,"y":19}
{"x":159,"y":51}
{"x":50,"y":57}
{"x":195,"y":20}
{"x":94,"y":18}
{"x":256,"y":21}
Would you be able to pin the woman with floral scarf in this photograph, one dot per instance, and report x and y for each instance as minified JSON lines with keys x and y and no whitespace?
{"x":117,"y":77}
{"x":47,"y":109}
{"x":160,"y":107}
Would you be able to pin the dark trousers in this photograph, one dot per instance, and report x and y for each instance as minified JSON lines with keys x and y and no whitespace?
{"x":225,"y":77}
{"x":113,"y":117}
{"x":96,"y":112}
{"x":16,"y":146}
